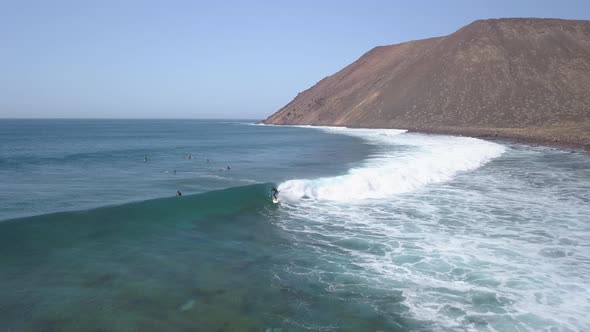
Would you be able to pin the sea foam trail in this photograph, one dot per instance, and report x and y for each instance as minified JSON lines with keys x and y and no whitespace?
{"x":405,"y":162}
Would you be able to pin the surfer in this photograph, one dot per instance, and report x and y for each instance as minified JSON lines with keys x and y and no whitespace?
{"x":228,"y":168}
{"x":178,"y":193}
{"x":145,"y":159}
{"x":275,"y":193}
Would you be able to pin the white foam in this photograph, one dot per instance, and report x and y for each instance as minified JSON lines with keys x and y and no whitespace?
{"x":405,"y":163}
{"x":511,"y":257}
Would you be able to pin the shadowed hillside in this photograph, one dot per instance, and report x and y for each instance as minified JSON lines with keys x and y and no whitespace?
{"x":519,"y":78}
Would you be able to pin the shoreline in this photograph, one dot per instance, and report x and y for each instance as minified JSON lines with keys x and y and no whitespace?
{"x":557,"y":139}
{"x":566,"y":138}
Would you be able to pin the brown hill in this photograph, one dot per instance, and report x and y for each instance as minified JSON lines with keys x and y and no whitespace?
{"x":520,"y":78}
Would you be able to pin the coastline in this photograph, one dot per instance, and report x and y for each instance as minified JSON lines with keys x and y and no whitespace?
{"x":566,"y":138}
{"x":491,"y":78}
{"x":557,"y":138}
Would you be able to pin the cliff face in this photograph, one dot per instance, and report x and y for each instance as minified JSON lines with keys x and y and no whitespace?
{"x":506,"y":77}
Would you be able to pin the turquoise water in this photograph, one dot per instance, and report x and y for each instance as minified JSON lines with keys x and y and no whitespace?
{"x":57,"y":165}
{"x":377,"y":230}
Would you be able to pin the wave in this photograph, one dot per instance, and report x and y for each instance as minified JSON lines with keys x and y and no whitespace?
{"x":131,"y":219}
{"x":406,"y":162}
{"x":223,"y":201}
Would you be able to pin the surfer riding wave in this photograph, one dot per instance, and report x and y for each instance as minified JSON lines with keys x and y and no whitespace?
{"x":274,"y":192}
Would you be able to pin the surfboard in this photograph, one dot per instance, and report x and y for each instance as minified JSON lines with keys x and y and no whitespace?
{"x":275,"y":200}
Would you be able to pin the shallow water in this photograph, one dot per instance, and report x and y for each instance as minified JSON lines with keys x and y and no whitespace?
{"x":377,"y":230}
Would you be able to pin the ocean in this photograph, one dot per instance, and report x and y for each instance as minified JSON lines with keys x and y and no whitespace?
{"x":376,"y":230}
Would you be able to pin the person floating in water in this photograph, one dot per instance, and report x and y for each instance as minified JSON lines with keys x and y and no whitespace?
{"x":275,"y":193}
{"x":174,"y":172}
{"x":178,"y":193}
{"x":190,"y":156}
{"x":228,"y":168}
{"x":145,"y":159}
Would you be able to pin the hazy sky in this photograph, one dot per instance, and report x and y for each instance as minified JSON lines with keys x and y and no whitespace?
{"x":204,"y":59}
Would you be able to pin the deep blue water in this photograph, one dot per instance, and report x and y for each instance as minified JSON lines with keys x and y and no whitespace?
{"x":377,"y":230}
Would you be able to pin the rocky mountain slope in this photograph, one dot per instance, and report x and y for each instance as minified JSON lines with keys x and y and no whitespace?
{"x":519,"y":78}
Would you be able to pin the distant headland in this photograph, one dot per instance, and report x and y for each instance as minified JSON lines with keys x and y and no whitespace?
{"x":519,"y":78}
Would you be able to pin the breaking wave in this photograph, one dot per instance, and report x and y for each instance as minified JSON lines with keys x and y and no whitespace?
{"x":405,"y":162}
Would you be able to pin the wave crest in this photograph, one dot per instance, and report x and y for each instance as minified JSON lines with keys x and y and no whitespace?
{"x":405,"y":163}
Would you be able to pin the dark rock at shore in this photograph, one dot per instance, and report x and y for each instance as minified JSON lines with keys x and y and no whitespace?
{"x":522,"y":78}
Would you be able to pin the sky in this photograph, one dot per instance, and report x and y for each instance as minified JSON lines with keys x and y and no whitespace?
{"x":207,"y":59}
